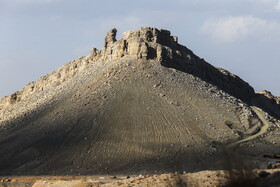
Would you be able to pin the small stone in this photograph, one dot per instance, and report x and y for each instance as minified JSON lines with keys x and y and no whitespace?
{"x":148,"y":75}
{"x":263,"y":174}
{"x":8,"y":180}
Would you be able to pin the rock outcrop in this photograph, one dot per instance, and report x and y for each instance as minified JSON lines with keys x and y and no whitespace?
{"x":110,"y":37}
{"x":158,"y":44}
{"x":273,"y":99}
{"x":147,"y":43}
{"x":270,"y":103}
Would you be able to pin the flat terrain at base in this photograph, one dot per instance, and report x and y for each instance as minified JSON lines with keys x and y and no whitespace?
{"x":202,"y":178}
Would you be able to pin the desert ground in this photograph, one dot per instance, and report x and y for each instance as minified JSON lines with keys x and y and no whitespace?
{"x":203,"y":179}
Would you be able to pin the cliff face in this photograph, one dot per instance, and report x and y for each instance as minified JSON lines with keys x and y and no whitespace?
{"x":273,"y":99}
{"x":268,"y":102}
{"x":159,"y":45}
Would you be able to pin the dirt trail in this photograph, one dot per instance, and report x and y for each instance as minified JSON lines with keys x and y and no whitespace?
{"x":263,"y":130}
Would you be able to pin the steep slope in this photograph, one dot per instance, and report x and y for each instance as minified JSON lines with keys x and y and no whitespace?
{"x":142,"y":104}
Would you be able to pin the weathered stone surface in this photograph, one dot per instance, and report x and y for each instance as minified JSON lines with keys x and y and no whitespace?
{"x":110,"y":37}
{"x":94,"y":55}
{"x":268,"y":102}
{"x":158,"y":44}
{"x":272,"y":98}
{"x":14,"y":98}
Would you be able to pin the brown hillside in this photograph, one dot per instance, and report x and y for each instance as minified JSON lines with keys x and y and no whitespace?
{"x":142,"y":104}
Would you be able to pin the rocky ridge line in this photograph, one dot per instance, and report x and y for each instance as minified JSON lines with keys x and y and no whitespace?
{"x":268,"y":102}
{"x":147,"y":43}
{"x":273,"y":99}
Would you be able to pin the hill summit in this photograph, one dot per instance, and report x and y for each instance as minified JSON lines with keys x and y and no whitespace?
{"x":143,"y":103}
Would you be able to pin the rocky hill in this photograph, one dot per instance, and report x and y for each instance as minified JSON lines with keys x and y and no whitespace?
{"x":144,"y":103}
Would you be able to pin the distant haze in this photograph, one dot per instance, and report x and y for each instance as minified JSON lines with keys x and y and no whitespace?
{"x":38,"y":36}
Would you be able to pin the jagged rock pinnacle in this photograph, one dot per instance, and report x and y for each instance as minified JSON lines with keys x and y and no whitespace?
{"x":110,"y":37}
{"x":147,"y":43}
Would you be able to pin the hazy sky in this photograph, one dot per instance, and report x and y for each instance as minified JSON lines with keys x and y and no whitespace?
{"x":38,"y":36}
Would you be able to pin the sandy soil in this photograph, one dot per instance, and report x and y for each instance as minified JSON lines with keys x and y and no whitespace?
{"x":203,"y":178}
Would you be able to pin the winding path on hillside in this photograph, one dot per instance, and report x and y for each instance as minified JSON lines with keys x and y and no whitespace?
{"x":263,"y":129}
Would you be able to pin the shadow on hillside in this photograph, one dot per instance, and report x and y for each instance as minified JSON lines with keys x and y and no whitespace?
{"x":224,"y":80}
{"x":73,"y":145}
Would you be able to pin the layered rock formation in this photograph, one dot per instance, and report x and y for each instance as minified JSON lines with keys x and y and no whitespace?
{"x":151,"y":43}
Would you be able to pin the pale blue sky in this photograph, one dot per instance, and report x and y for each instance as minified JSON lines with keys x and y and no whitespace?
{"x":38,"y":36}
